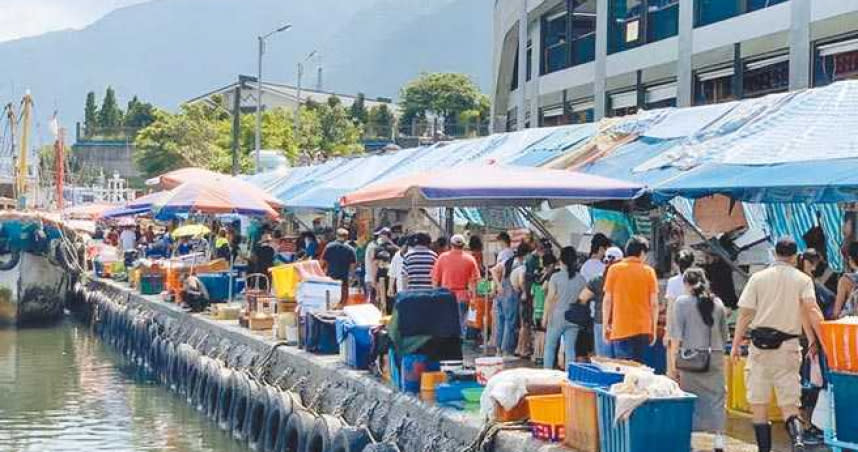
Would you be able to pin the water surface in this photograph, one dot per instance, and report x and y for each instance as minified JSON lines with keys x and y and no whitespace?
{"x":61,"y":389}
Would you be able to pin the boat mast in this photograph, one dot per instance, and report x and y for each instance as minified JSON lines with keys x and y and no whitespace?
{"x":26,"y":109}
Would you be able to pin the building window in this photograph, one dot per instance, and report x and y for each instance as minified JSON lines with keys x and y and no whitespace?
{"x":660,"y":96}
{"x":529,"y":66}
{"x":553,"y":116}
{"x":569,"y":39}
{"x":583,"y":31}
{"x":511,"y":119}
{"x":625,"y":24}
{"x":636,"y":22}
{"x":662,"y":19}
{"x":711,"y":11}
{"x":714,"y":86}
{"x":624,"y":103}
{"x":555,"y":46}
{"x":836,"y":61}
{"x":513,"y":85}
{"x":770,"y":75}
{"x":581,"y":112}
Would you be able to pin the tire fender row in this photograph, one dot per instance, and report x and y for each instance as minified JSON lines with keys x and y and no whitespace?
{"x":242,"y":400}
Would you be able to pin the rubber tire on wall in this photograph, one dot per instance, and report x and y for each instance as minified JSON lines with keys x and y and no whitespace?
{"x":322,"y":435}
{"x":280,"y":407}
{"x":194,"y":373}
{"x":351,"y":439}
{"x":241,"y":399}
{"x":254,"y":420}
{"x":225,"y":398}
{"x":294,"y":404}
{"x":205,"y":381}
{"x":213,"y":392}
{"x":298,"y":431}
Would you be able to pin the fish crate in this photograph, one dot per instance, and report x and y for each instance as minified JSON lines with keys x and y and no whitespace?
{"x":840,"y":342}
{"x":587,"y":374}
{"x":547,"y":415}
{"x":582,"y":418}
{"x":664,"y":422}
{"x":843,"y":430}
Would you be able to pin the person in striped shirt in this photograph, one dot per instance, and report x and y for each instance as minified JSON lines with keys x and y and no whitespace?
{"x":418,"y":263}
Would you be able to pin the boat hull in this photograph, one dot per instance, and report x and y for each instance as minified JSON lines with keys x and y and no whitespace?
{"x":33,"y":291}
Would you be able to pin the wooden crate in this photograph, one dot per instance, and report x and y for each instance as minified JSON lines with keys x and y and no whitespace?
{"x":259,"y":322}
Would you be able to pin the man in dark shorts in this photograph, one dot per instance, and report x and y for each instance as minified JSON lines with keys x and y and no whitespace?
{"x":338,"y":260}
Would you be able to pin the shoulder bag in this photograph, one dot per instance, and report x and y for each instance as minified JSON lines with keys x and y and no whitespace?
{"x":695,"y":360}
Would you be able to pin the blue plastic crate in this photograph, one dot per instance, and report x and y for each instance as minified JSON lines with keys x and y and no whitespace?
{"x":217,"y":284}
{"x":358,"y":345}
{"x":452,"y":392}
{"x":844,"y":388}
{"x":663,"y":422}
{"x":586,"y":374}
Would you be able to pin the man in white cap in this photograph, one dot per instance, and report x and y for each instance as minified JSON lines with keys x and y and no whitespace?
{"x":457,"y":271}
{"x":595,"y":292}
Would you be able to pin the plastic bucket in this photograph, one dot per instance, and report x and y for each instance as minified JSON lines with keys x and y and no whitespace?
{"x":487,"y":368}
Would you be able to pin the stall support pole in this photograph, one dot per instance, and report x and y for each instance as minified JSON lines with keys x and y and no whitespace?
{"x":538,"y":224}
{"x":716,"y":248}
{"x":449,"y":226}
{"x":432,"y":220}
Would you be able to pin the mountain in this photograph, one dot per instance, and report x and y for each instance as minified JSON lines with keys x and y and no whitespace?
{"x":168,"y":51}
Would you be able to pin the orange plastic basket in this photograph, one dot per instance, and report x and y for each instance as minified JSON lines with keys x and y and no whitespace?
{"x":547,"y":409}
{"x":840,"y":341}
{"x":582,"y":418}
{"x":517,"y":413}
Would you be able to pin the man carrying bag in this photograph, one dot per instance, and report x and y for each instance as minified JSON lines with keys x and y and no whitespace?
{"x":776,"y":304}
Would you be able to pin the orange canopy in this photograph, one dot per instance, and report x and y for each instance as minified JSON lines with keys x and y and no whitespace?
{"x":177,"y":177}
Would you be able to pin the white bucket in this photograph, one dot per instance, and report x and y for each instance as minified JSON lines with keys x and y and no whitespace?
{"x":487,"y":367}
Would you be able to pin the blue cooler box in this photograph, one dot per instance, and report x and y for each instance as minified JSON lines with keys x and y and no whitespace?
{"x":845,"y":393}
{"x":659,"y":424}
{"x":217,"y":284}
{"x":358,"y":345}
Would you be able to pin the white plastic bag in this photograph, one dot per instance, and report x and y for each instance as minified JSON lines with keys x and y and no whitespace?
{"x":815,"y":372}
{"x":822,"y":411}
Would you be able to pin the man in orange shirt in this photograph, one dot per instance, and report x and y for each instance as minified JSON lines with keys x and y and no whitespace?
{"x":630,"y":303}
{"x":458,"y":272}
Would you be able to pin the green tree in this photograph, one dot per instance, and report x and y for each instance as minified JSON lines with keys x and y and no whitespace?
{"x":189,"y":138}
{"x":380,"y":122}
{"x":443,"y":95}
{"x":339,"y":135}
{"x":139,"y":114}
{"x":109,"y":116}
{"x":90,"y":113}
{"x":358,"y":111}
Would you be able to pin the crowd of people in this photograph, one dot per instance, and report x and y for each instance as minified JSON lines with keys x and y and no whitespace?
{"x":554,"y":306}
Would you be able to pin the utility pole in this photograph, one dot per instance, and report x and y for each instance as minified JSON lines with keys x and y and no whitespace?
{"x":261,"y":51}
{"x":236,"y":124}
{"x":258,"y":136}
{"x":298,"y":92}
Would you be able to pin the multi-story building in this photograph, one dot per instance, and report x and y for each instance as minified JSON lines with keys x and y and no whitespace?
{"x":587,"y":59}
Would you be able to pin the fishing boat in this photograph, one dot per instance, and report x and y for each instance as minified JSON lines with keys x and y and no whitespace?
{"x":39,"y":264}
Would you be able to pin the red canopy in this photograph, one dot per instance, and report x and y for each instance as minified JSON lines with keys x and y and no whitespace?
{"x":92,"y":211}
{"x":492,"y":185}
{"x":200,"y":175}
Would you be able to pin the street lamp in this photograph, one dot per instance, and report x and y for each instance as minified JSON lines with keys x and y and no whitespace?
{"x":298,"y":95}
{"x":259,"y":90}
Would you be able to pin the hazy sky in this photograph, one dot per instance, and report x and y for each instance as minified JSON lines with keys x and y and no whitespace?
{"x":21,"y":18}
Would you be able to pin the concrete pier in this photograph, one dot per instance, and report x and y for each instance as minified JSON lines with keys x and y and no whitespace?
{"x":423,"y":427}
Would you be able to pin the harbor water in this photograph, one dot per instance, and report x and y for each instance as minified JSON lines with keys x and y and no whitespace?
{"x":62,"y":389}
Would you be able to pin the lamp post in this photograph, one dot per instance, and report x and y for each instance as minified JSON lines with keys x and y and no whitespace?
{"x":298,"y":95}
{"x":259,"y":90}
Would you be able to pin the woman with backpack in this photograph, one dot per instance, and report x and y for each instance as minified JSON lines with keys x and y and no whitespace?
{"x":509,"y":277}
{"x":564,"y":315}
{"x":698,"y":332}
